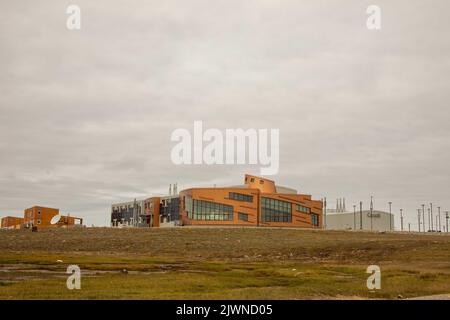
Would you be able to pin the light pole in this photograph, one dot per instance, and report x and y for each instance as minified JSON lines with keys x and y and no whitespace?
{"x":431,"y":211}
{"x":418,"y":218}
{"x":423,"y":217}
{"x":354,"y":217}
{"x":439,"y":215}
{"x":390,"y":215}
{"x":360,"y":216}
{"x":371,"y":213}
{"x":429,"y":220}
{"x":401,"y":218}
{"x":446,"y":221}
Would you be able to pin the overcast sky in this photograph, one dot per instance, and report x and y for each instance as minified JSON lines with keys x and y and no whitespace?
{"x":86,"y":115}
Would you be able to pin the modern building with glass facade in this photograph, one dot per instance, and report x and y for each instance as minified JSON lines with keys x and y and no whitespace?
{"x":259,"y":202}
{"x":151,"y":212}
{"x":128,"y":214}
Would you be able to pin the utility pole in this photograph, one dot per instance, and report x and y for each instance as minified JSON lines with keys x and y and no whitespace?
{"x":439,"y":215}
{"x":371,"y":213}
{"x":390,"y":215}
{"x":436,"y":224}
{"x":325,"y":212}
{"x":134,"y":213}
{"x":446,"y":220}
{"x":409,"y":227}
{"x":354,"y":217}
{"x":401,"y":218}
{"x":423,"y":217}
{"x":431,"y":210}
{"x":360,"y":216}
{"x":429,"y":220}
{"x":418,"y":218}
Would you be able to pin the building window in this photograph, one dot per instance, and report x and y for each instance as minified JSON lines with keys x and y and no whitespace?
{"x":303,"y":209}
{"x":252,"y":179}
{"x":273,"y":210}
{"x":240,"y":197}
{"x":261,"y":181}
{"x":315,"y":220}
{"x":243,"y":216}
{"x":39,"y":222}
{"x":206,"y":210}
{"x":188,"y":206}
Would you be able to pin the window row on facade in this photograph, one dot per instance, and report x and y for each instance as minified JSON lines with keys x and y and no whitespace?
{"x":303,"y":209}
{"x":272,"y":210}
{"x":240,"y":197}
{"x":207,"y":210}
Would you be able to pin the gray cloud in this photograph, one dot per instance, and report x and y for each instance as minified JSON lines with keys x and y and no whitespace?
{"x":86,"y":116}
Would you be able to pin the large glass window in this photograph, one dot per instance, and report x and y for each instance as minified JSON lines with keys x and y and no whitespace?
{"x":315,"y":219}
{"x":303,"y":209}
{"x":206,"y":210}
{"x":188,"y":206}
{"x":240,"y":197}
{"x":273,"y":210}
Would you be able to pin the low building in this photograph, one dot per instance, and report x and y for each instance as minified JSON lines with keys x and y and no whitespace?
{"x":151,"y":212}
{"x":129,"y":214}
{"x":41,"y":217}
{"x":44,"y":217}
{"x":365,"y":220}
{"x":162,"y":211}
{"x":11,"y":222}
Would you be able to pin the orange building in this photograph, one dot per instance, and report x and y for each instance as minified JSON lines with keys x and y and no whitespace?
{"x":259,"y":202}
{"x":11,"y":222}
{"x":41,"y":217}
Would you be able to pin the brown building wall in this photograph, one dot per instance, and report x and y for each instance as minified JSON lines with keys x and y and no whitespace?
{"x":221,"y":195}
{"x":152,"y":207}
{"x":299,"y":219}
{"x":41,"y":217}
{"x":252,"y":209}
{"x":10,"y":222}
{"x":262,"y":184}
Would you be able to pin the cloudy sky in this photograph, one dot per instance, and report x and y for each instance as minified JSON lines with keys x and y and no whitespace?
{"x":86,"y":115}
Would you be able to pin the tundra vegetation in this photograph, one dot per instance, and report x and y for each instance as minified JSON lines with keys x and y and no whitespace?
{"x":221,"y":263}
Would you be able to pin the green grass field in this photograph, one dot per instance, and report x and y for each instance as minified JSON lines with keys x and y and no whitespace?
{"x":221,"y":263}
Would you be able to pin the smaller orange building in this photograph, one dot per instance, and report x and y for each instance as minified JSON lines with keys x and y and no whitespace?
{"x":11,"y":222}
{"x":40,"y":217}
